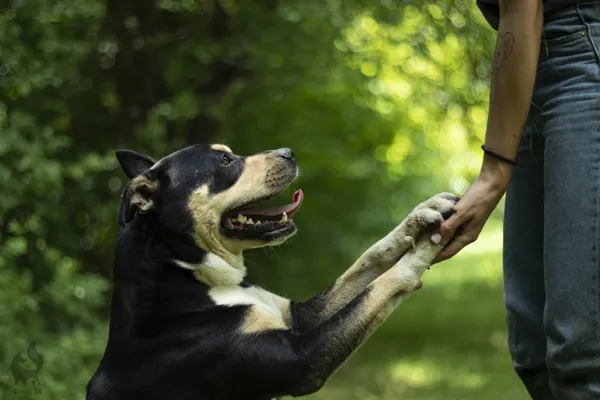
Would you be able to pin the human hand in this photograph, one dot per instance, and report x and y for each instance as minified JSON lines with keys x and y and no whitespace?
{"x":471,"y":213}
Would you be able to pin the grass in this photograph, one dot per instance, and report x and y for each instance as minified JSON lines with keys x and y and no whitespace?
{"x":447,"y":342}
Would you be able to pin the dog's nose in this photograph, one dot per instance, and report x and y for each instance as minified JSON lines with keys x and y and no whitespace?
{"x":286,"y":153}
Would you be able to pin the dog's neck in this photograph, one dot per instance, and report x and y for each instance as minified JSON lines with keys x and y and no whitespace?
{"x":144,"y":259}
{"x":214,"y":271}
{"x":208,"y":267}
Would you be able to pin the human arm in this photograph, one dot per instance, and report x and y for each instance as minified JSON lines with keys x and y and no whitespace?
{"x":513,"y":76}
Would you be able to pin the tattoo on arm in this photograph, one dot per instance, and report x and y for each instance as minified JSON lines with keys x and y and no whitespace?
{"x":504,"y":46}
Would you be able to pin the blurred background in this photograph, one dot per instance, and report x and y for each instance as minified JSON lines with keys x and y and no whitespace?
{"x":383,"y":102}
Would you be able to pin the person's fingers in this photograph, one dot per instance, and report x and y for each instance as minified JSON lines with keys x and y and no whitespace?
{"x":436,"y":237}
{"x":456,"y":245}
{"x":446,"y":229}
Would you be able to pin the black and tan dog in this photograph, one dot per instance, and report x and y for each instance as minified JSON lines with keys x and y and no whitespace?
{"x":184,"y":324}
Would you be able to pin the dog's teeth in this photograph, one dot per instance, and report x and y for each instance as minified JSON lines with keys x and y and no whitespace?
{"x":241,"y":218}
{"x":284,"y":218}
{"x":249,"y":221}
{"x":257,"y":223}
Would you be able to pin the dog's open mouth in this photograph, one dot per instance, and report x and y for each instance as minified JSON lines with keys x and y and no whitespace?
{"x":249,"y":222}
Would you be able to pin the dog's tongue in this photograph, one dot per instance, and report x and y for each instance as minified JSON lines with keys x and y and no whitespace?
{"x":277,"y":212}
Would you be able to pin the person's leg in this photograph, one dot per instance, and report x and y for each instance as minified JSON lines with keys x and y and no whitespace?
{"x":570,"y":122}
{"x":523,"y":263}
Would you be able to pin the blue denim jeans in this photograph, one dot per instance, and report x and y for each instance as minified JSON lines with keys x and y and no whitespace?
{"x":552,"y":219}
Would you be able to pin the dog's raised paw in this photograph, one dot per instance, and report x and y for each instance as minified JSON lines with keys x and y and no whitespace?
{"x":448,"y":196}
{"x":424,"y":218}
{"x":443,"y":203}
{"x":430,"y":214}
{"x":421,"y":257}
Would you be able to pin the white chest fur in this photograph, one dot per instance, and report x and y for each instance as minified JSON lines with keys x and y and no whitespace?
{"x":268,"y":310}
{"x":267,"y":302}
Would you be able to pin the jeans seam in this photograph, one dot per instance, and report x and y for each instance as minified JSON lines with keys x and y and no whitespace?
{"x":597,"y":53}
{"x":589,"y":34}
{"x":537,"y":162}
{"x":596,"y":254}
{"x":566,"y":39}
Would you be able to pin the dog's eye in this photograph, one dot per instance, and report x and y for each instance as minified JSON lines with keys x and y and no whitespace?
{"x":226,"y":160}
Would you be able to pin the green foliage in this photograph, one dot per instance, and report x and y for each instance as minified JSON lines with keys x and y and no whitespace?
{"x":383,"y":104}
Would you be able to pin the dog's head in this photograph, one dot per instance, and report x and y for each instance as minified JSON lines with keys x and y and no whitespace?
{"x":207,"y":192}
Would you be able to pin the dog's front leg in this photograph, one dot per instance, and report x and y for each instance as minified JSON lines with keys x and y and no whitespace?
{"x":371,"y":264}
{"x":328,"y":345}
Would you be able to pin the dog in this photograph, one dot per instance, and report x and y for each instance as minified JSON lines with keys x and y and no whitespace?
{"x":185,"y":324}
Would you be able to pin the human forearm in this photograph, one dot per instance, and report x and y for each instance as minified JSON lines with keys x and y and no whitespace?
{"x":513,"y":76}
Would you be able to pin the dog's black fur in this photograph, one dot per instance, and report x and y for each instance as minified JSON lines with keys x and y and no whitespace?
{"x":169,"y":338}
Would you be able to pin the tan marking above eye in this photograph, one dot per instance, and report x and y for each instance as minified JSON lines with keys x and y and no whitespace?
{"x":221,"y":147}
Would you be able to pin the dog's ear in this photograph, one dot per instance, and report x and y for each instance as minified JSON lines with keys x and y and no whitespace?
{"x":133,"y":163}
{"x":137,"y":198}
{"x":137,"y":194}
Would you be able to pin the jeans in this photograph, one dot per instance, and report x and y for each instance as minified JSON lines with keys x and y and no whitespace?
{"x":552,"y":220}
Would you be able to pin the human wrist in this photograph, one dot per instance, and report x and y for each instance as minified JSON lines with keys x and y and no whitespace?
{"x":495,"y":173}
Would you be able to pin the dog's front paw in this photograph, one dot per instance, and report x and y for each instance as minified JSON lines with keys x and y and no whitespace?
{"x":413,"y":264}
{"x":429,"y":215}
{"x":424,"y":218}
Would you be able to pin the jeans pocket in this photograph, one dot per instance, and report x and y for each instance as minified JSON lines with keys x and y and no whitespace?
{"x":567,"y":39}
